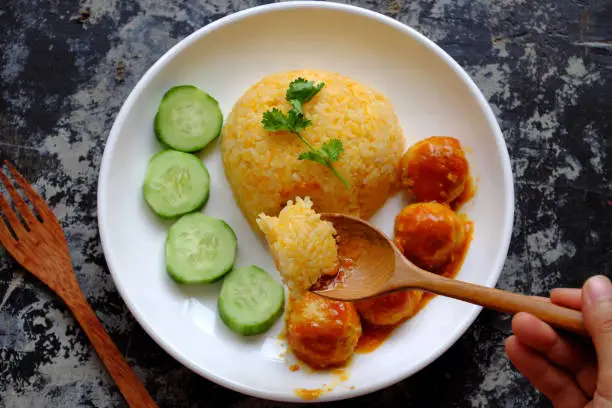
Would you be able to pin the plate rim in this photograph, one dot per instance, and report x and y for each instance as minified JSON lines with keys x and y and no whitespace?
{"x":149,"y":74}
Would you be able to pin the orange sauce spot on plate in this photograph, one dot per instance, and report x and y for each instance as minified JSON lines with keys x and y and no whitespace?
{"x":339,"y":376}
{"x":373,"y":336}
{"x":309,"y":395}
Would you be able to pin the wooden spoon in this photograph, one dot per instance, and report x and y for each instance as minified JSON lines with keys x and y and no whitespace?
{"x":379,"y":268}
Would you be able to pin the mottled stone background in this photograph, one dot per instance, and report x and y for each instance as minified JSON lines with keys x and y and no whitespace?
{"x":66,"y":67}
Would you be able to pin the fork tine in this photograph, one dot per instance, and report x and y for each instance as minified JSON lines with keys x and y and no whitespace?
{"x":13,"y":221}
{"x":6,"y":238}
{"x":39,"y":204}
{"x":21,"y":205}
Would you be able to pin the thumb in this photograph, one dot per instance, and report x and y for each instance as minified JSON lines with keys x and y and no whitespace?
{"x":597,"y":311}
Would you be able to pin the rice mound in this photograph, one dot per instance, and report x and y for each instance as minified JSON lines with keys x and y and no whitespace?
{"x":263,"y":168}
{"x":302,"y":244}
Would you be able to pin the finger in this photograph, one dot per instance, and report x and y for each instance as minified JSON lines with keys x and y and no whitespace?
{"x":568,"y":297}
{"x":553,"y":382}
{"x":562,"y":352}
{"x":538,"y":335}
{"x":597,"y":310}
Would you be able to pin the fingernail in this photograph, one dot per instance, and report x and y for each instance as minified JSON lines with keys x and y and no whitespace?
{"x":598,"y":288}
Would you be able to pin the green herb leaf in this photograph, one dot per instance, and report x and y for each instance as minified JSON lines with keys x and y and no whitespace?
{"x":299,"y":92}
{"x":297,"y":106}
{"x":313,"y":156}
{"x":332,"y":149}
{"x":274,"y":121}
{"x":302,"y":90}
{"x":328,"y":153}
{"x":297,"y":121}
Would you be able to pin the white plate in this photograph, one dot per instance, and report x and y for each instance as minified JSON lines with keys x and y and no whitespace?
{"x":432,"y":96}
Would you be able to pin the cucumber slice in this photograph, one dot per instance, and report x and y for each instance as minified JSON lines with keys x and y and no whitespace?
{"x":250,"y":300}
{"x":176,"y":183}
{"x":199,"y":249}
{"x":188,"y":118}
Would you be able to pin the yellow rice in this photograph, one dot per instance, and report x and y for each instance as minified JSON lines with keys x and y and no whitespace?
{"x":302,"y":244}
{"x":263,"y":168}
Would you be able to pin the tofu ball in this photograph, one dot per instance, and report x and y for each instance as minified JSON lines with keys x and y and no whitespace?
{"x":322,"y":332}
{"x":429,"y":234}
{"x":391,"y":308}
{"x":434,"y":169}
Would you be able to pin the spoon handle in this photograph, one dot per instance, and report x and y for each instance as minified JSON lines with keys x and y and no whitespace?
{"x":507,"y":302}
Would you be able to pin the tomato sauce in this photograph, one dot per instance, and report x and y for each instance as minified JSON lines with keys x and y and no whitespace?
{"x":339,"y":375}
{"x":373,"y":336}
{"x":468,"y":193}
{"x":309,"y":395}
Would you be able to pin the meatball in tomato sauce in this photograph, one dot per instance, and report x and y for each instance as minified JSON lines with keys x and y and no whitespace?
{"x":391,"y":308}
{"x":322,"y":332}
{"x":434,"y":169}
{"x":429,"y":234}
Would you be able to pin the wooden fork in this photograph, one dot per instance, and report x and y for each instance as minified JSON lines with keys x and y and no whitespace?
{"x":39,"y":245}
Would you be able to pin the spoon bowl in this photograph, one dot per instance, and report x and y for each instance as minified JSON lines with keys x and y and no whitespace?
{"x":378,"y":267}
{"x":372,"y":259}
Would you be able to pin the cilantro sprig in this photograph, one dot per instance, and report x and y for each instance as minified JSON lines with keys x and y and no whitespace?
{"x":299,"y":92}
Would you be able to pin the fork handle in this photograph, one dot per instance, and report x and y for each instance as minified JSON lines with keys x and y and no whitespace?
{"x":128,"y":383}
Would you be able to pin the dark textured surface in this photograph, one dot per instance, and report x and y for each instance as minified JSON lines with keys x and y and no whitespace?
{"x":65,"y":69}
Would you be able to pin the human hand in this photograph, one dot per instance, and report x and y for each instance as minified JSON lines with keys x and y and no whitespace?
{"x":570,"y":374}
